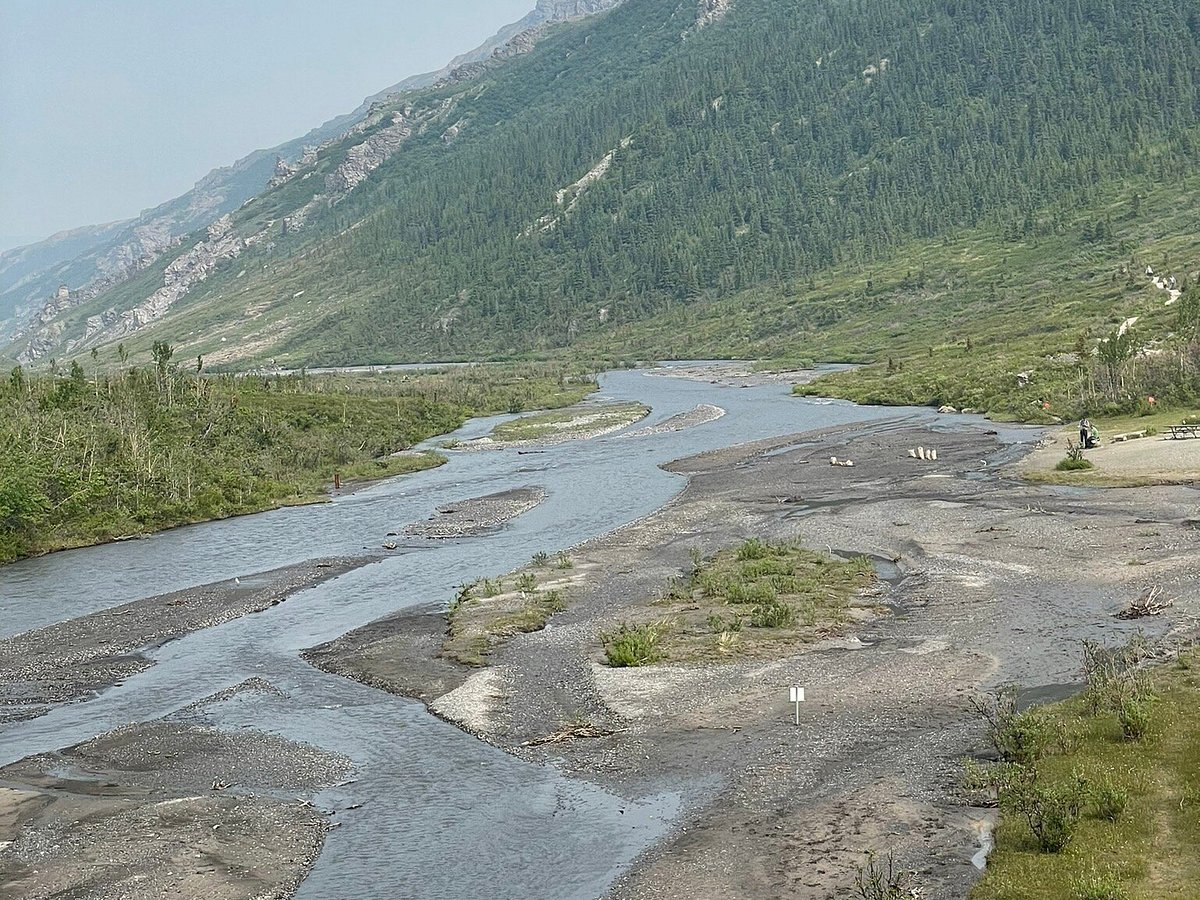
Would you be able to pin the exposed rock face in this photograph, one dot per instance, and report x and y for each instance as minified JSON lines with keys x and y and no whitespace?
{"x":189,"y":269}
{"x":363,"y":159}
{"x":566,"y":10}
{"x":711,"y":11}
{"x":568,"y":198}
{"x":282,"y":172}
{"x":42,"y":344}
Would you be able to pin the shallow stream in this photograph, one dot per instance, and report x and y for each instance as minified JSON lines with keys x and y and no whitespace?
{"x":431,"y":812}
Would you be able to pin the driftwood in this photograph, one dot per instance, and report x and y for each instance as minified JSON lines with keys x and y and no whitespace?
{"x":1151,"y":603}
{"x":569,"y":733}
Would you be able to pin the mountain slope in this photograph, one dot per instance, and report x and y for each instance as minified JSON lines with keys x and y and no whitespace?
{"x":93,"y":259}
{"x":667,"y":155}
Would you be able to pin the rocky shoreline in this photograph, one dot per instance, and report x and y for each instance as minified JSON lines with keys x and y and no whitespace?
{"x":701,"y":415}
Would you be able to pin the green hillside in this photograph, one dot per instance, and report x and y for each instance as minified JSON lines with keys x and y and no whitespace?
{"x":845,"y":179}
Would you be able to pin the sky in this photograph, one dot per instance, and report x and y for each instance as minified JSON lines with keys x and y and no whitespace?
{"x":109,"y":107}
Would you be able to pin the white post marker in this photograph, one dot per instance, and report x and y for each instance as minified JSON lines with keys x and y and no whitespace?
{"x":797,"y":698}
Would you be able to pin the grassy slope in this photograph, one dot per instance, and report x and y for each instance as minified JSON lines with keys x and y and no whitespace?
{"x":1149,"y":853}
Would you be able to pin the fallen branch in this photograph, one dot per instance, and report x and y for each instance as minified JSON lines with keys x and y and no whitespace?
{"x":1151,"y":603}
{"x":569,"y":733}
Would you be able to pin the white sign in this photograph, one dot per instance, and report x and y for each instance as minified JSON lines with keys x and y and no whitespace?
{"x":797,"y":698}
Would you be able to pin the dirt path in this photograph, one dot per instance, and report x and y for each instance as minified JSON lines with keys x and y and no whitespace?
{"x":998,"y":581}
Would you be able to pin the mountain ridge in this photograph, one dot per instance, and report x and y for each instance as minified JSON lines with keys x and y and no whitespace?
{"x":94,"y":258}
{"x":667,"y":159}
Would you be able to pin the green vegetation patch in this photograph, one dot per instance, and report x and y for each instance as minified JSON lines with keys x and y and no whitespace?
{"x":757,"y":598}
{"x":488,"y":612}
{"x":1075,"y":465}
{"x":572,"y":423}
{"x":1101,"y":794}
{"x":629,"y":646}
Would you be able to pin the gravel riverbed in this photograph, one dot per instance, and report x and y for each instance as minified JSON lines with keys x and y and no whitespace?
{"x":993,"y":580}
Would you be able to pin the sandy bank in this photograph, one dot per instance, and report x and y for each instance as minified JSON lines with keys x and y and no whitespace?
{"x":478,"y":515}
{"x":1150,"y":460}
{"x":163,"y":809}
{"x":75,"y":659}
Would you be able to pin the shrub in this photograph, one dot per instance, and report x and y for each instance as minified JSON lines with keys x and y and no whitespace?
{"x":526,"y":582}
{"x":678,"y":589}
{"x":1018,"y":737}
{"x":541,"y":559}
{"x":1108,"y":800}
{"x":553,"y":601}
{"x":763,"y":592}
{"x":727,"y":641}
{"x":465,"y":594}
{"x":1074,"y":465}
{"x":1134,"y":715}
{"x":1115,"y":682}
{"x":633,"y":645}
{"x":736,"y":592}
{"x":563,"y":561}
{"x":882,"y":881}
{"x":773,"y":614}
{"x":1051,"y":811}
{"x":753,"y":549}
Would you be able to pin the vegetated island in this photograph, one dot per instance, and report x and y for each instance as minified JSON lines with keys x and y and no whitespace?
{"x":581,"y":422}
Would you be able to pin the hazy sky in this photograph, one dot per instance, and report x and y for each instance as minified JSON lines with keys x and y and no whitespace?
{"x":108,"y":107}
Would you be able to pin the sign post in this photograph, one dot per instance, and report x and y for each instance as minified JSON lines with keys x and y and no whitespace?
{"x":797,"y":698}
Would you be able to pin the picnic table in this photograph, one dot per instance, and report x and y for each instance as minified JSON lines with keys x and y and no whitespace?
{"x":1183,"y":432}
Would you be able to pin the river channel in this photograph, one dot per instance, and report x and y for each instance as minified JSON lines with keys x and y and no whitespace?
{"x":429,"y":812}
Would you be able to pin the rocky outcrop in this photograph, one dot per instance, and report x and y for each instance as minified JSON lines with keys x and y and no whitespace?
{"x":568,"y":198}
{"x":710,"y":12}
{"x":282,"y":172}
{"x":568,"y":10}
{"x":364,"y":158}
{"x":193,"y":267}
{"x":145,"y":245}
